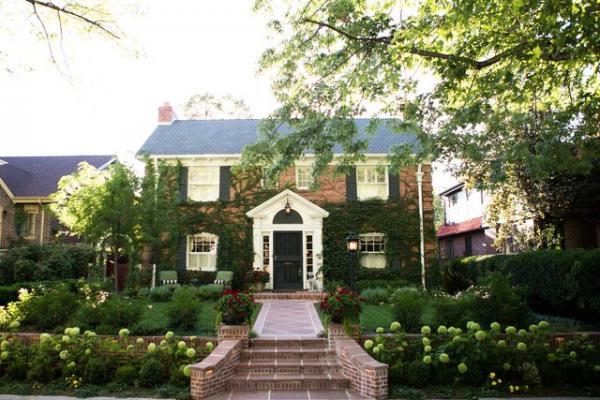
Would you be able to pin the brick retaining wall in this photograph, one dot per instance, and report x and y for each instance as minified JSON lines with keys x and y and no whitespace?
{"x":211,"y":375}
{"x":367,"y":376}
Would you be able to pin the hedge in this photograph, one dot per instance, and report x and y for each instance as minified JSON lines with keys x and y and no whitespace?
{"x":35,"y":262}
{"x":563,"y":282}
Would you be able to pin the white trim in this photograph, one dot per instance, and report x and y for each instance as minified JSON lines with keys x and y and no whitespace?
{"x":6,"y":189}
{"x":316,"y":210}
{"x":106,"y":164}
{"x":385,"y":177}
{"x":298,"y":181}
{"x":211,"y":253}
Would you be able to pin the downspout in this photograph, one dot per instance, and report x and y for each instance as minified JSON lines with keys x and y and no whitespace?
{"x":419,"y":175}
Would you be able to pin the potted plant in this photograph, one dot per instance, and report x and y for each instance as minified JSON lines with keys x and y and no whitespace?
{"x":235,"y":311}
{"x":258,"y":279}
{"x":342,"y":307}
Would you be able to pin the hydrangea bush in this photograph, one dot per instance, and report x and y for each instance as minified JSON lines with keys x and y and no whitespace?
{"x":510,"y":358}
{"x":85,"y":358}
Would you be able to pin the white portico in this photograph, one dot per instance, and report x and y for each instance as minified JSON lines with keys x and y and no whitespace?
{"x":287,"y":236}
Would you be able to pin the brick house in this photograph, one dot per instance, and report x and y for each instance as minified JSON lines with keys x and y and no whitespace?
{"x":25,"y":186}
{"x":287,"y":228}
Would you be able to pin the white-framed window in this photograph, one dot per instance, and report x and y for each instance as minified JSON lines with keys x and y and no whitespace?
{"x":203,"y":183}
{"x":202,"y":252}
{"x":266,"y":252}
{"x":303,"y":177}
{"x":372,"y":250}
{"x":371,"y":182}
{"x":30,"y":224}
{"x":309,"y":256}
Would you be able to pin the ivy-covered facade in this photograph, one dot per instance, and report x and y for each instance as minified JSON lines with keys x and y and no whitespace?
{"x":295,"y":229}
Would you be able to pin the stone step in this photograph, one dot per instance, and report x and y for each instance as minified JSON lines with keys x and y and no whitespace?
{"x":304,"y":343}
{"x":283,"y":353}
{"x":339,"y":394}
{"x":242,"y":381}
{"x":311,"y":367}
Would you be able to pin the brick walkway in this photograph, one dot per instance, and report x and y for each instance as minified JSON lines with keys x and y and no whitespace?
{"x":288,"y":319}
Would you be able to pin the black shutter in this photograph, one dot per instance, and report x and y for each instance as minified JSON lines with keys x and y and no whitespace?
{"x":394,"y":186}
{"x":183,"y":184}
{"x":351,"y":184}
{"x":224,"y":183}
{"x":181,"y":254}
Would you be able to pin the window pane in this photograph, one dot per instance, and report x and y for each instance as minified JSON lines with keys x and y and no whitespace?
{"x":303,"y":176}
{"x":203,"y":192}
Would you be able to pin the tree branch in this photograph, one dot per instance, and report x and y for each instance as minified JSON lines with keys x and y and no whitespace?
{"x":80,"y":16}
{"x":422,"y":52}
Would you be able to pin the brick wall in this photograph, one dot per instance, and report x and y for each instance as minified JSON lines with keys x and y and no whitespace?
{"x":7,"y":219}
{"x":367,"y":376}
{"x":210,"y":376}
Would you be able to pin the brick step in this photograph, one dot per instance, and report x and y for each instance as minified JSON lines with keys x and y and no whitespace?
{"x":286,"y":354}
{"x":243,"y":381}
{"x":300,"y":343}
{"x":311,"y":367}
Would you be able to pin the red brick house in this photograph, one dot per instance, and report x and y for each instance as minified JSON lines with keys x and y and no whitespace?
{"x":25,"y":186}
{"x":288,"y":228}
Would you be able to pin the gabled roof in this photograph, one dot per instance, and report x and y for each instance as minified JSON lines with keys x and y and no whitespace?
{"x":39,"y":176}
{"x":187,"y":137}
{"x":469,"y":225}
{"x":452,"y":189}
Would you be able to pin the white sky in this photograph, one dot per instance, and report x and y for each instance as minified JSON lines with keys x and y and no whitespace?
{"x":106,"y":101}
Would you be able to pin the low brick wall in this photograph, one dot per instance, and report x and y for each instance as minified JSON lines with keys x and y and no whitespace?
{"x":210,"y":376}
{"x":234,"y":332}
{"x":368,"y":376}
{"x":337,"y":331}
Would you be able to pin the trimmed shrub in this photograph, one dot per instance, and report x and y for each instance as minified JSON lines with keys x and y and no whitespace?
{"x":381,"y":283}
{"x":407,"y":307}
{"x":559,"y":282}
{"x":98,"y":370}
{"x":35,"y":262}
{"x":9,"y":293}
{"x":152,"y":326}
{"x":151,"y":373}
{"x":161,"y":293}
{"x":126,"y":374}
{"x":209,"y":292}
{"x":376,"y":295}
{"x":51,"y":309}
{"x":184,"y":309}
{"x":109,"y":316}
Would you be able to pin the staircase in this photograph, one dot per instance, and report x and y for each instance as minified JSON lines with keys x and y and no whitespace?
{"x":288,"y":365}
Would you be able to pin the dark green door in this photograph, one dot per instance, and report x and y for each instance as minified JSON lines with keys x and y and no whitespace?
{"x":287,"y":257}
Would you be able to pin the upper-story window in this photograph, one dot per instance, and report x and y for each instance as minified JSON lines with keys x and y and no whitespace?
{"x":303,"y":177}
{"x":371,"y":182}
{"x":203,"y":183}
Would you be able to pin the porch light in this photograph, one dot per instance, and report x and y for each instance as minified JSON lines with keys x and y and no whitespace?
{"x":287,"y":207}
{"x":352,"y":242}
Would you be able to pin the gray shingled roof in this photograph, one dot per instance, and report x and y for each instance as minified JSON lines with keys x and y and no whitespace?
{"x":186,"y":137}
{"x":39,"y":176}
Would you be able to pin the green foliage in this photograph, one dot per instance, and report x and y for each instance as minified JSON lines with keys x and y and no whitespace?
{"x":407,"y":305}
{"x":390,"y":219}
{"x":477,"y":356}
{"x":98,"y":370}
{"x":35,"y":262}
{"x":126,"y":374}
{"x":108,"y":315}
{"x":196,"y":277}
{"x":235,"y":307}
{"x":560,"y":282}
{"x":342,"y":306}
{"x":209,"y":292}
{"x":375,"y":295}
{"x":516,"y":94}
{"x":161,"y":293}
{"x":381,"y":283}
{"x":184,"y":309}
{"x":50,"y":308}
{"x":150,"y":326}
{"x":151,"y":373}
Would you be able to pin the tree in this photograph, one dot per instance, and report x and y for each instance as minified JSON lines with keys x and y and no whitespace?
{"x":209,"y":106}
{"x":514,"y":88}
{"x":53,"y":21}
{"x":101,"y":207}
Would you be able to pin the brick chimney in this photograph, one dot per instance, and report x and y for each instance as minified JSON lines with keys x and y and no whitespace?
{"x":166,"y":115}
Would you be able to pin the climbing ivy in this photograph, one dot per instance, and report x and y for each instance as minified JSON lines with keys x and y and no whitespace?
{"x":399,"y":222}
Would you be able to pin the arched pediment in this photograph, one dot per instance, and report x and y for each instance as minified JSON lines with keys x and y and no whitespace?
{"x":291,"y":217}
{"x":270,"y":208}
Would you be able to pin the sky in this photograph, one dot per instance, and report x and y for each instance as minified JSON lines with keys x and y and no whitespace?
{"x":105,"y":96}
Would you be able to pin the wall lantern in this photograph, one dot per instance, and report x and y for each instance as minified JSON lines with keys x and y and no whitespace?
{"x":352,"y":242}
{"x":287,"y":207}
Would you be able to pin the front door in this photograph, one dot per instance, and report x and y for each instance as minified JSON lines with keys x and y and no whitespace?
{"x":287,"y":257}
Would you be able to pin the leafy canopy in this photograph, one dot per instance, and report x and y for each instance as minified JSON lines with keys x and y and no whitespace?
{"x":510,"y":88}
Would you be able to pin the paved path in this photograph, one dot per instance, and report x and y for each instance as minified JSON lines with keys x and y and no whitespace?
{"x":39,"y":397}
{"x":288,"y":319}
{"x":291,"y":395}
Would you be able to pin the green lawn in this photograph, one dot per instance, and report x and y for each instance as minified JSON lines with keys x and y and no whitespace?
{"x":374,"y":316}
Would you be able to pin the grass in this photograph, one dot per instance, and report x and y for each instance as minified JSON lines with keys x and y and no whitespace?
{"x":374,"y":316}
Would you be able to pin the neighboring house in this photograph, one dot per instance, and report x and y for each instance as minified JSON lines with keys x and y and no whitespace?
{"x":287,"y":229}
{"x":25,"y":186}
{"x":464,"y":232}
